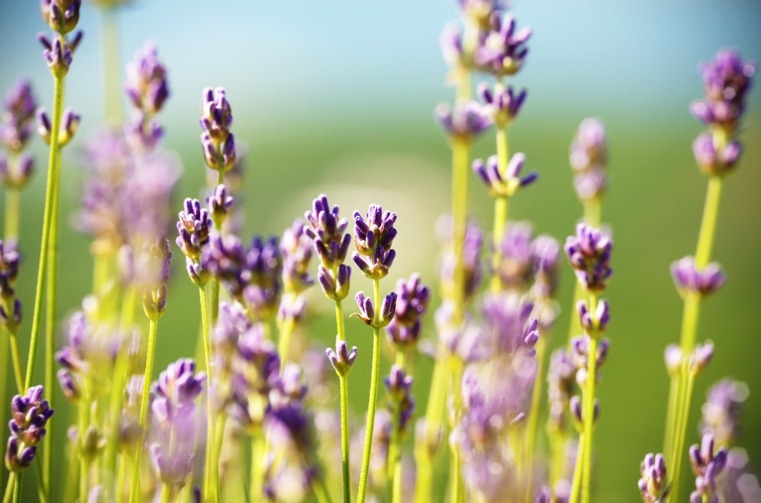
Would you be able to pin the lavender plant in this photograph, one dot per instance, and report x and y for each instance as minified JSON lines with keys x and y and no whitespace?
{"x":255,"y":418}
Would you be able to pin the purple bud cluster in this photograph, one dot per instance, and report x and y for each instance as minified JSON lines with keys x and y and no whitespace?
{"x":589,"y":253}
{"x":217,"y":140}
{"x":147,"y":90}
{"x":510,"y":325}
{"x":194,"y":228}
{"x":10,"y":305}
{"x":471,"y":261}
{"x":502,"y":50}
{"x":402,"y":405}
{"x":69,"y":125}
{"x":560,"y":379}
{"x":331,"y":244}
{"x":507,"y":183}
{"x":516,"y":267}
{"x":373,"y":238}
{"x":707,"y":466}
{"x":175,"y":418}
{"x":367,"y":310}
{"x":690,"y":280}
{"x":296,"y":248}
{"x":589,"y":157}
{"x":62,"y":16}
{"x":253,"y":276}
{"x":726,"y":81}
{"x":465,"y":122}
{"x":156,"y":261}
{"x":722,"y":410}
{"x":29,"y":415}
{"x":412,"y":298}
{"x":15,"y":130}
{"x":502,"y":104}
{"x":580,"y":355}
{"x":653,"y":484}
{"x":342,"y":358}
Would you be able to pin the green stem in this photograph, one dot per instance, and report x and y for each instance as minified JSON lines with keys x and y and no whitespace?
{"x":501,"y":209}
{"x":681,"y":432}
{"x":370,"y":424}
{"x":10,"y":487}
{"x":284,"y":341}
{"x":592,"y":212}
{"x":533,"y":416}
{"x":12,"y":206}
{"x":708,"y":223}
{"x":51,"y":302}
{"x":577,"y":471}
{"x":589,"y":410}
{"x":455,"y":372}
{"x":460,"y":155}
{"x":258,"y":452}
{"x":51,"y":190}
{"x":166,"y":493}
{"x":320,"y":492}
{"x":143,"y":418}
{"x":219,"y":435}
{"x":433,"y":421}
{"x":18,"y":373}
{"x":343,"y":384}
{"x":205,"y":328}
{"x":17,"y":491}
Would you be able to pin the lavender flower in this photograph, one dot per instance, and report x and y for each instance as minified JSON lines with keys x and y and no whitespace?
{"x":342,"y":358}
{"x":295,"y":247}
{"x":61,"y":15}
{"x":707,"y":466}
{"x":691,"y":281}
{"x":594,"y":323}
{"x":373,"y":238}
{"x":465,"y":122}
{"x":175,"y":418}
{"x":255,"y":374}
{"x":588,"y":157}
{"x":580,"y":353}
{"x":367,"y":310}
{"x":331,"y":244}
{"x":412,"y":299}
{"x":503,"y":104}
{"x":69,"y":125}
{"x":503,"y":51}
{"x":20,"y":107}
{"x":219,"y":203}
{"x":504,"y":184}
{"x":217,"y":140}
{"x":16,"y":175}
{"x":589,"y":253}
{"x":722,"y":411}
{"x":653,"y":485}
{"x":713,"y":158}
{"x":29,"y":415}
{"x":471,"y":260}
{"x":701,"y":356}
{"x":726,"y":81}
{"x":508,"y":318}
{"x":740,"y":484}
{"x":158,"y":257}
{"x":545,"y":257}
{"x":194,"y":227}
{"x":402,"y":405}
{"x":147,"y":86}
{"x":560,"y":378}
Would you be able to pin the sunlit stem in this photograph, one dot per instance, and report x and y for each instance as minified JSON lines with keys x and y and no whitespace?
{"x":533,"y":416}
{"x":588,"y":413}
{"x":343,"y":386}
{"x":370,"y":424}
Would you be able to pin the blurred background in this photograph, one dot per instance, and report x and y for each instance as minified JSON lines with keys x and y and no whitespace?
{"x":338,"y":97}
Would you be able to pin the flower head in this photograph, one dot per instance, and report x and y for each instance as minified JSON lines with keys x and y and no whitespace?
{"x":29,"y":415}
{"x":589,"y":157}
{"x":653,"y":485}
{"x":589,"y":253}
{"x":146,"y":84}
{"x":503,"y":50}
{"x":690,"y":280}
{"x":373,"y":236}
{"x":412,"y":299}
{"x":465,"y":122}
{"x":20,"y":108}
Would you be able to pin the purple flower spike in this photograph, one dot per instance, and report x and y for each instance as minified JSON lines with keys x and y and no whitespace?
{"x":589,"y":157}
{"x":691,"y":281}
{"x":707,"y":467}
{"x":722,"y":410}
{"x":589,"y":253}
{"x":516,"y":267}
{"x":146,"y":85}
{"x":367,"y":310}
{"x":412,"y":299}
{"x":296,"y":248}
{"x":328,"y":232}
{"x":580,"y":353}
{"x":465,"y":122}
{"x":726,"y":81}
{"x":342,"y":358}
{"x":219,"y":203}
{"x":595,"y":323}
{"x":715,"y":159}
{"x":545,"y":257}
{"x":577,"y":412}
{"x":20,"y":106}
{"x":399,"y":386}
{"x":373,"y":238}
{"x":471,"y":260}
{"x":503,"y":103}
{"x":29,"y":415}
{"x":69,"y":126}
{"x":57,"y":55}
{"x":503,"y":50}
{"x":504,"y":184}
{"x":653,"y":485}
{"x":194,"y":227}
{"x":61,"y":15}
{"x":216,"y":113}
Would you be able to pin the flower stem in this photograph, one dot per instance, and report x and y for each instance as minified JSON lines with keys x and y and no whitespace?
{"x":501,"y":209}
{"x":343,"y":385}
{"x":10,"y":487}
{"x":49,"y":220}
{"x":589,"y":408}
{"x":373,"y":396}
{"x":533,"y":416}
{"x":577,"y":471}
{"x":12,"y":205}
{"x":258,"y":451}
{"x":423,"y":452}
{"x":455,"y":371}
{"x":16,"y":361}
{"x":708,"y":223}
{"x":143,"y":418}
{"x":688,"y":384}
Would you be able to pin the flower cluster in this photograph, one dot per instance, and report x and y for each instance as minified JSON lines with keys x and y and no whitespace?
{"x":15,"y":130}
{"x":29,"y":415}
{"x":589,"y":157}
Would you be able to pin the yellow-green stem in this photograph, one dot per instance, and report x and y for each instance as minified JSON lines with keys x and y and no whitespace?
{"x":708,"y":223}
{"x":258,"y":451}
{"x":52,"y":188}
{"x":320,"y":491}
{"x":501,"y":208}
{"x":589,"y":412}
{"x":533,"y":416}
{"x":12,"y":210}
{"x":284,"y":341}
{"x":455,"y":373}
{"x":681,"y":432}
{"x":10,"y":487}
{"x":16,"y":360}
{"x":343,"y":385}
{"x":460,"y":155}
{"x":219,"y":436}
{"x":433,"y":423}
{"x":50,"y":329}
{"x":577,"y":471}
{"x":592,"y":212}
{"x":143,"y":418}
{"x":375,"y":369}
